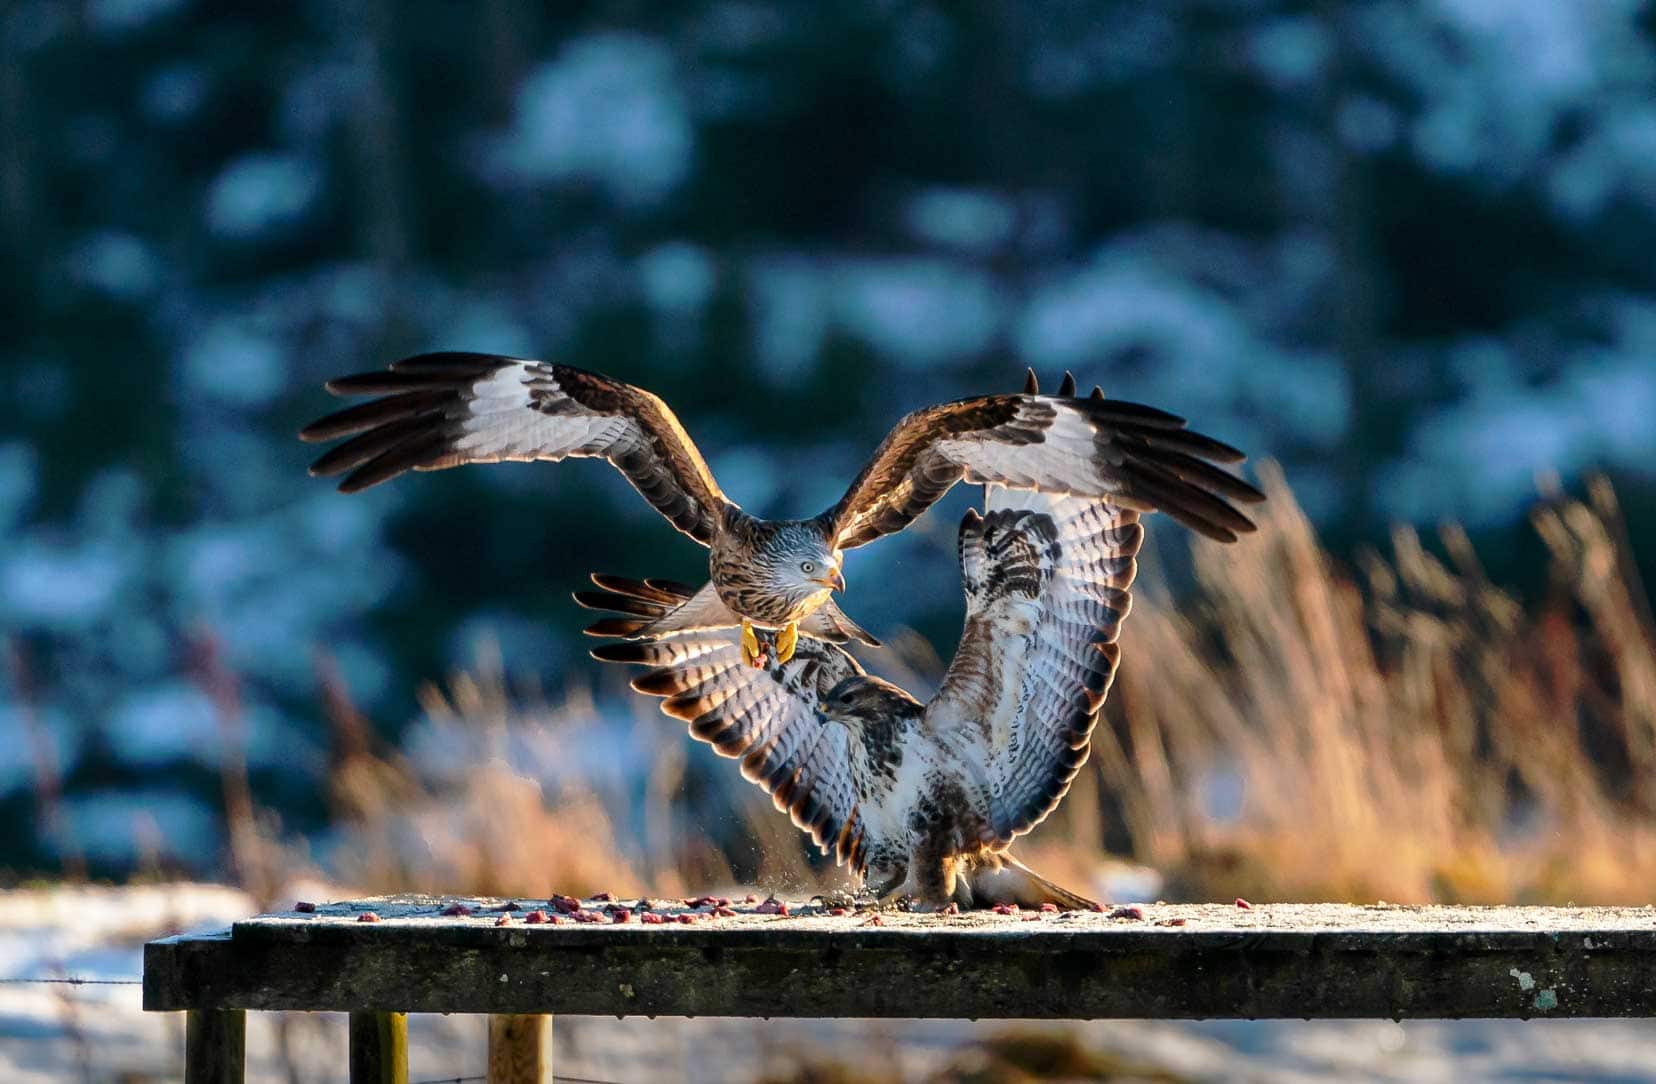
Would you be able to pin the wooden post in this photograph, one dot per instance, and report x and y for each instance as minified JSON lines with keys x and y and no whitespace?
{"x":215,"y":1046}
{"x":520,"y":1049}
{"x":379,"y":1048}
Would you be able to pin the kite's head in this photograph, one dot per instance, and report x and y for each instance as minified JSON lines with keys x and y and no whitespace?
{"x":801,"y":564}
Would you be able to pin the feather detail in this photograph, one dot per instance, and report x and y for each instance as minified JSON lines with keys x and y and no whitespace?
{"x":448,"y":409}
{"x":1106,"y":449}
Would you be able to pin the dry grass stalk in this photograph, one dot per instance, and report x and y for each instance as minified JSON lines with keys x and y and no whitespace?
{"x":1422,"y":737}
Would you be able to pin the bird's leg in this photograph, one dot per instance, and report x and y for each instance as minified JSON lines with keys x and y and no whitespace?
{"x":752,"y":653}
{"x":786,"y":641}
{"x":839,"y":897}
{"x":934,"y":881}
{"x":885,"y":892}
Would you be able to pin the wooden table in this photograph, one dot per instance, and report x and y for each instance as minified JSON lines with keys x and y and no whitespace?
{"x":1157,"y":961}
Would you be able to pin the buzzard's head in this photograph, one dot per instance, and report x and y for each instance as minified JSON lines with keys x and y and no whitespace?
{"x":863,"y":700}
{"x":800,"y":563}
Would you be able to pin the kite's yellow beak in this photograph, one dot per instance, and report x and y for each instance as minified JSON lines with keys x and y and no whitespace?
{"x":833,"y":581}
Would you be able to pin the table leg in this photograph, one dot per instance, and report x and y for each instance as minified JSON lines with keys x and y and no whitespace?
{"x":379,"y":1048}
{"x":215,"y":1046}
{"x":520,"y":1049}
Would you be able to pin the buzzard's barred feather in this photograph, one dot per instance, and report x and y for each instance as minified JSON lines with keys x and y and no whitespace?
{"x":953,"y":782}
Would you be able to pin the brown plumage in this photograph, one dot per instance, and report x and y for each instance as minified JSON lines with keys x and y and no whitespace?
{"x":443,"y":410}
{"x":924,"y":799}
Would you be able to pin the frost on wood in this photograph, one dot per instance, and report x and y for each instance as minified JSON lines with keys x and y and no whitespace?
{"x":713,"y":956}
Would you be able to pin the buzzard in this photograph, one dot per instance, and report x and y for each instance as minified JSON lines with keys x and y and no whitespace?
{"x":923,"y":799}
{"x":443,"y":410}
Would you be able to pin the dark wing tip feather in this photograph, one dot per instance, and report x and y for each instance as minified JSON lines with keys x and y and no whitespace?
{"x":680,"y":590}
{"x":1066,"y":389}
{"x":1190,"y":505}
{"x":1032,"y":383}
{"x":614,"y":626}
{"x":663,"y":682}
{"x":633,"y":651}
{"x":420,"y":449}
{"x":621,"y":604}
{"x":454,"y":363}
{"x":1122,"y":411}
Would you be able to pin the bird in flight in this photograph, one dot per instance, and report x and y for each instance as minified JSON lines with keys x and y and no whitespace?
{"x":923,"y":799}
{"x":443,"y":410}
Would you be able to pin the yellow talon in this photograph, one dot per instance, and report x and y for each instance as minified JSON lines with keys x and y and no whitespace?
{"x":751,"y":652}
{"x":786,"y":641}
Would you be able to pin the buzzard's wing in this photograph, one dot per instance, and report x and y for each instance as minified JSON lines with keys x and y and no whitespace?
{"x":442,"y":410}
{"x":768,"y":718}
{"x":1046,"y":581}
{"x":1136,"y":456}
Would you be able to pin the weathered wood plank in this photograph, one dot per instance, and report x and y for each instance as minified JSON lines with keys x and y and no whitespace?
{"x":215,"y":1046}
{"x":379,"y":1048}
{"x":1328,"y":961}
{"x":520,"y":1049}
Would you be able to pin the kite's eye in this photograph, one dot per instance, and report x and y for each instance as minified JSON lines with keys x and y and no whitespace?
{"x":807,"y":567}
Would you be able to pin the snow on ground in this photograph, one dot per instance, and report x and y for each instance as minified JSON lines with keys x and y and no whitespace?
{"x":99,"y":1033}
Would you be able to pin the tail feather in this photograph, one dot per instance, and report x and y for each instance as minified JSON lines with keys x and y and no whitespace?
{"x":656,"y":607}
{"x":1000,"y":878}
{"x":831,"y":623}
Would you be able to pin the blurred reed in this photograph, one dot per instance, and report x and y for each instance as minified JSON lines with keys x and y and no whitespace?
{"x":1412,"y":734}
{"x":1295,"y":730}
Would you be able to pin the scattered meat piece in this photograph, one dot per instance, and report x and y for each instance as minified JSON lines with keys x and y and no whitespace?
{"x":1049,"y":907}
{"x":454,"y":909}
{"x":686,"y":920}
{"x":1134,"y":913}
{"x":603,"y":897}
{"x":837,"y":912}
{"x":650,"y":918}
{"x":952,"y":909}
{"x":1096,"y":907}
{"x":367,"y":916}
{"x":305,"y":907}
{"x":621,"y":915}
{"x":645,"y":903}
{"x":722,"y":901}
{"x":503,"y":920}
{"x":509,"y":905}
{"x":701,"y":901}
{"x":1244,"y":904}
{"x":1030,"y":916}
{"x":772,"y":906}
{"x":566,"y":904}
{"x":1006,"y":908}
{"x":873,"y":920}
{"x":536,"y":918}
{"x":724,"y":912}
{"x":750,"y":898}
{"x":1172,"y":922}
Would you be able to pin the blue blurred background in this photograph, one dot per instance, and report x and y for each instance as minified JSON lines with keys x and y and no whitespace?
{"x":1402,"y":248}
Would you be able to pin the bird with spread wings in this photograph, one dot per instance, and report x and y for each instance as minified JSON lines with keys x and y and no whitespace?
{"x":443,"y":410}
{"x":923,"y":799}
